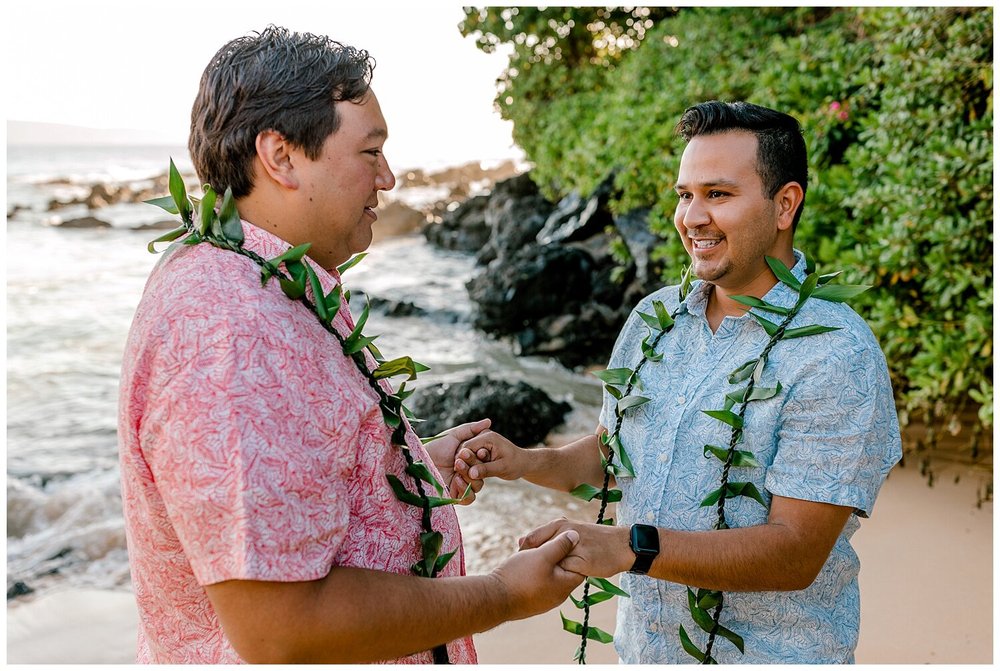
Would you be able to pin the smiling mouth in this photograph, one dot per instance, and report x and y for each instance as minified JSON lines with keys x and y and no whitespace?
{"x":371,"y":211}
{"x":705,"y":243}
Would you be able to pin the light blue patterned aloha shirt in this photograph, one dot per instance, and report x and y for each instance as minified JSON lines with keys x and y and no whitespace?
{"x":831,"y":435}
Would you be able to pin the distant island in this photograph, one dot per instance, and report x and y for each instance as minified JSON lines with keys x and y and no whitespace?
{"x":33,"y":133}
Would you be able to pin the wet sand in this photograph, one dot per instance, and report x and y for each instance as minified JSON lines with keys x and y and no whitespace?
{"x":926,"y":585}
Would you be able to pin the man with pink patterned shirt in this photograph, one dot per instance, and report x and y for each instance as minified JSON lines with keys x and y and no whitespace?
{"x":260,"y":523}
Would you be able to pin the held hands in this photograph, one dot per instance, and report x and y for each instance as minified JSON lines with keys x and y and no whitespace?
{"x":601,"y":552}
{"x":443,"y":453}
{"x":535,"y":580}
{"x":490,"y":455}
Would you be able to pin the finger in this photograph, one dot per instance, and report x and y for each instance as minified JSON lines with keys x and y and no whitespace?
{"x":540,"y":535}
{"x":477,"y":485}
{"x":469,"y":430}
{"x":556,"y":549}
{"x":489,"y":469}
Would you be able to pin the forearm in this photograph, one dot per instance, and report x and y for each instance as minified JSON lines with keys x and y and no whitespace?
{"x":767,"y":557}
{"x":566,"y":467}
{"x":357,"y":615}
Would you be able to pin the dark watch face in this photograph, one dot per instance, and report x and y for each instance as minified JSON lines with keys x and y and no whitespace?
{"x":645,"y":538}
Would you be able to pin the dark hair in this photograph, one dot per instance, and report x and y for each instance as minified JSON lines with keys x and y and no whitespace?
{"x":781,"y":151}
{"x":272,"y":80}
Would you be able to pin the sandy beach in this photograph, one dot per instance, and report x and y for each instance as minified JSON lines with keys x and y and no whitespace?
{"x":926,"y":585}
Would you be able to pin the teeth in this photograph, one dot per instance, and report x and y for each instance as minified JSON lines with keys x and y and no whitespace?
{"x":705,"y":244}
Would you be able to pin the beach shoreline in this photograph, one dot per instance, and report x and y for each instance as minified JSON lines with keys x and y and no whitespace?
{"x":926,"y":585}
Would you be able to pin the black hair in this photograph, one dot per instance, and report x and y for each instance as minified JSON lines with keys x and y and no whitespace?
{"x":781,"y":150}
{"x":272,"y":80}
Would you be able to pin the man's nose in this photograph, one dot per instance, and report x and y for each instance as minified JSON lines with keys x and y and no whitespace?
{"x":695,"y":214}
{"x":385,"y":180}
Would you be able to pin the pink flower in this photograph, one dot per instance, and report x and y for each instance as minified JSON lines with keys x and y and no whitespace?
{"x":834,"y":106}
{"x":843,"y":116}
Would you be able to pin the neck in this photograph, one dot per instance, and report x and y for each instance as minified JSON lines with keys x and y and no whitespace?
{"x":720,"y":301}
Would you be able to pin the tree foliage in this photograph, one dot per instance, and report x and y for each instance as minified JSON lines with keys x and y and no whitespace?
{"x":897,"y":110}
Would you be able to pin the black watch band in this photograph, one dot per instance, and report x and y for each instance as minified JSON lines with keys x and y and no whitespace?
{"x":645,"y":543}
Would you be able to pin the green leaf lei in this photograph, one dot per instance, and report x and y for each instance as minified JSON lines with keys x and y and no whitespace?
{"x":202,"y":224}
{"x":620,"y":383}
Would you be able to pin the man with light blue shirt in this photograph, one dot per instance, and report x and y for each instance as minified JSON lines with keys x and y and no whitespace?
{"x":820,"y":444}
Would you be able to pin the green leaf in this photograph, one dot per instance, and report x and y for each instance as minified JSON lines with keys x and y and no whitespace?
{"x":708,"y":598}
{"x":782,"y":272}
{"x":592,"y":599}
{"x":419,"y":470}
{"x":206,"y":210}
{"x":651,"y":321}
{"x":571,"y":626}
{"x":758,"y":394}
{"x":352,"y":346}
{"x":232,"y":227}
{"x":731,"y":636}
{"x":840,"y":293}
{"x":608,"y":521}
{"x":292,"y":289}
{"x":351,"y":262}
{"x":626,"y":462}
{"x":613,"y":391}
{"x":741,"y":458}
{"x":599,"y":635}
{"x":753,"y":302}
{"x":391,"y":417}
{"x":589,"y":492}
{"x":807,"y":288}
{"x":803,"y":331}
{"x":166,"y":237}
{"x":770,"y":327}
{"x":649,"y":352}
{"x":443,"y":560}
{"x":689,"y":647}
{"x":619,"y":376}
{"x":164,"y":203}
{"x":743,"y":372}
{"x":712,"y":498}
{"x":317,"y":289}
{"x":179,"y":192}
{"x":402,"y":493}
{"x":701,"y":617}
{"x":608,"y":586}
{"x":662,"y":316}
{"x":293,"y":254}
{"x":726,"y":417}
{"x":630,"y":402}
{"x":823,"y":279}
{"x":687,"y":280}
{"x":403,"y":365}
{"x":747,"y":489}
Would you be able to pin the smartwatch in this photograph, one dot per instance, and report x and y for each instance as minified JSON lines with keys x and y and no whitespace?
{"x":645,"y":543}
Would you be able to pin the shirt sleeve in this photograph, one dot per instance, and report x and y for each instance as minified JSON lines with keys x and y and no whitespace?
{"x":251,"y":455}
{"x":838,"y":435}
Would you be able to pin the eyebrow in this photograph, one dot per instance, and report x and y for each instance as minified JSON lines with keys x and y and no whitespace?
{"x":377,"y":133}
{"x":710,"y":184}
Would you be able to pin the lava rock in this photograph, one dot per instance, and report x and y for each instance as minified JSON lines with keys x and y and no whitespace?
{"x":522,"y":413}
{"x":515,"y":213}
{"x":463,"y":229}
{"x":578,"y":218}
{"x":18,"y":588}
{"x":84,"y":222}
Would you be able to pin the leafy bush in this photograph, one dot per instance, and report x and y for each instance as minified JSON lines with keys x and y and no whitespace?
{"x":897,"y":110}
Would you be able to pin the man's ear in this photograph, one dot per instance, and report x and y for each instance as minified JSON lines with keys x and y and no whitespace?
{"x":274,"y":154}
{"x":788,"y":199}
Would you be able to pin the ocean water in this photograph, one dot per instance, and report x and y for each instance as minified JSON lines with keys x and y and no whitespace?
{"x":71,"y":294}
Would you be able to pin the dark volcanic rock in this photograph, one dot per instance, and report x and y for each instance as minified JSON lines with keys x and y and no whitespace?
{"x":535,"y":283}
{"x":519,"y":411}
{"x":84,"y":222}
{"x":573,"y":339}
{"x":578,"y":218}
{"x":633,"y":227}
{"x":515,"y":213}
{"x":17,"y":589}
{"x":463,"y":229}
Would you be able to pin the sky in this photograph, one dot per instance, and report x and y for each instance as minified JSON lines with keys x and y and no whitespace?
{"x":135,"y":65}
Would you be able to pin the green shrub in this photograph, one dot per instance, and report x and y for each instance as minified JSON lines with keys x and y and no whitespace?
{"x":897,"y":110}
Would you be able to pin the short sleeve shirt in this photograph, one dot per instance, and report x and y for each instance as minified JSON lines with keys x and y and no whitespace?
{"x":251,"y":448}
{"x":830,"y":435}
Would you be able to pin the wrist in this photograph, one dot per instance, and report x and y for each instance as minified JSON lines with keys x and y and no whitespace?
{"x":644,"y":543}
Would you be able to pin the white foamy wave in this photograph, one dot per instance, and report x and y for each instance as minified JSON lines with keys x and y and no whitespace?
{"x":67,"y":531}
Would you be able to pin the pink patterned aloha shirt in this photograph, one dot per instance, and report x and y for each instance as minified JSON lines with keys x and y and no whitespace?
{"x":251,"y":448}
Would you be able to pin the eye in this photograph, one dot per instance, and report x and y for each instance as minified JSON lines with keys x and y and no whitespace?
{"x":717,"y":194}
{"x":684,"y":195}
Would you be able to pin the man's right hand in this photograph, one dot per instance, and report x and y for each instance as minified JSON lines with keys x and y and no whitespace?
{"x":533,"y":580}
